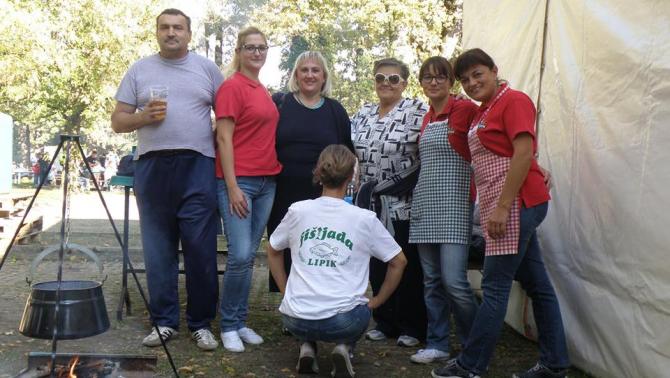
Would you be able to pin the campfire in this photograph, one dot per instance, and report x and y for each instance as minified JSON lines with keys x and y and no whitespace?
{"x":89,"y":366}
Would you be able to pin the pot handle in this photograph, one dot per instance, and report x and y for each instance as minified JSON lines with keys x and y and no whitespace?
{"x":71,"y":246}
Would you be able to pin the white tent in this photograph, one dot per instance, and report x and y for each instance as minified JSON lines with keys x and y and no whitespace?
{"x":601,"y":72}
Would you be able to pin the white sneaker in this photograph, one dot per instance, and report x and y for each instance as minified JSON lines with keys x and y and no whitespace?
{"x":205,"y":339}
{"x":152,"y":340}
{"x":232,"y":342}
{"x":407,"y":341}
{"x":341,"y":362}
{"x":375,"y":335}
{"x":426,"y":356}
{"x":307,"y":363}
{"x":249,"y":336}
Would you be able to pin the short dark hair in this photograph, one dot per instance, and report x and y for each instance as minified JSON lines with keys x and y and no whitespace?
{"x":392,"y":62}
{"x":440,"y":65}
{"x":471,"y":58}
{"x":175,"y":12}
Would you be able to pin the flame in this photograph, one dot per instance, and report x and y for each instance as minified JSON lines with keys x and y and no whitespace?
{"x":73,"y":364}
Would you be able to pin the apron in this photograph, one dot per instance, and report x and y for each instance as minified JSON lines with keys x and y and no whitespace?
{"x":441,"y":201}
{"x":490,"y":171}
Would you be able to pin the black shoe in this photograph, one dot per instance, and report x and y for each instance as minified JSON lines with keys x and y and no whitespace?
{"x":452,"y":370}
{"x":541,"y":371}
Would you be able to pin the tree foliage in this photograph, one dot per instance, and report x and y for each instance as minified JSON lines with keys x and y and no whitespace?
{"x":223,"y":19}
{"x":352,"y":34}
{"x":61,"y":62}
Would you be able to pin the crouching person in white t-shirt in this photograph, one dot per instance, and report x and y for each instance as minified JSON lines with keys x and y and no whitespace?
{"x":331,"y":244}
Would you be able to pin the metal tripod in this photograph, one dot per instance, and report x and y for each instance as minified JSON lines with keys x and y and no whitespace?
{"x":68,"y":140}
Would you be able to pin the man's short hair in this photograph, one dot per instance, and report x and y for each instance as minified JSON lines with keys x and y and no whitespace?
{"x":175,"y":12}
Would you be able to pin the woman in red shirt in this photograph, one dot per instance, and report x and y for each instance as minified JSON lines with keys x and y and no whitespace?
{"x":513,"y":202}
{"x":246,"y":124}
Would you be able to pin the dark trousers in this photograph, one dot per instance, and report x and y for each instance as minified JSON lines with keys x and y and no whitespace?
{"x":176,"y":199}
{"x":405,"y":311}
{"x":290,"y":189}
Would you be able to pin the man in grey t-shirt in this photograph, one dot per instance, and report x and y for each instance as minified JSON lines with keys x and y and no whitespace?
{"x":175,"y":184}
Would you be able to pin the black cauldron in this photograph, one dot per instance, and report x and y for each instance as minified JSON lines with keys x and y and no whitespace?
{"x":81,"y":312}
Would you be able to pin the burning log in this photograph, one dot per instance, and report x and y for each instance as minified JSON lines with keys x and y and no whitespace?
{"x":87,"y":365}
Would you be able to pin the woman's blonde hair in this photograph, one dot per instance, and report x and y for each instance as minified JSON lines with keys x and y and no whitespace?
{"x":335,"y":166}
{"x":320,"y":60}
{"x":235,"y":64}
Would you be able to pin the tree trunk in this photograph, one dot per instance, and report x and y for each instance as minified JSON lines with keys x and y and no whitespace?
{"x":28,"y":148}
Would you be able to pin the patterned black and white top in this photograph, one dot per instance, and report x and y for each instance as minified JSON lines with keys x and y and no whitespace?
{"x":388,"y":145}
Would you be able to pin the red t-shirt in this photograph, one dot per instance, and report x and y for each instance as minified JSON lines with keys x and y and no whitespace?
{"x":250,"y":106}
{"x":514,"y":114}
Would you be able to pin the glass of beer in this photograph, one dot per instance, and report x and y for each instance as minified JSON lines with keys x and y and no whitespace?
{"x":158,"y":95}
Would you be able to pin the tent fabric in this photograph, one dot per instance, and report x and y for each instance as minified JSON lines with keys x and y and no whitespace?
{"x":604,"y":111}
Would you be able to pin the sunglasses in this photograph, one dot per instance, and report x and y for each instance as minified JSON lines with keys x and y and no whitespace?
{"x":393,"y":79}
{"x":262,"y":49}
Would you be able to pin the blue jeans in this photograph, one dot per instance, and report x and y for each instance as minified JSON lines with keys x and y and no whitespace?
{"x":244,"y":236}
{"x":528,"y":268}
{"x":446,"y":289}
{"x":343,"y":328}
{"x":176,"y":199}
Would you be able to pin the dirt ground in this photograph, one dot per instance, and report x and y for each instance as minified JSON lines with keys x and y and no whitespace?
{"x":275,"y":358}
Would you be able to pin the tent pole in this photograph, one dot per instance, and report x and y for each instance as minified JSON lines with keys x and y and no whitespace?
{"x":542,"y":66}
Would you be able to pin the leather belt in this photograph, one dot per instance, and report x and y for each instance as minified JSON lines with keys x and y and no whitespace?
{"x":163,"y":153}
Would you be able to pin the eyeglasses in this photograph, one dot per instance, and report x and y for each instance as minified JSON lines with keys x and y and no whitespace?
{"x":262,"y":49}
{"x":439,"y":79}
{"x":393,"y":79}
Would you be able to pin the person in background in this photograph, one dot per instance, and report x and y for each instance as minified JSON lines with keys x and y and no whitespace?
{"x":175,"y":185}
{"x":44,"y":165}
{"x":513,"y":199}
{"x":111,"y":165}
{"x":331,"y":242}
{"x":35,"y":168}
{"x":309,"y":121}
{"x":385,"y":138}
{"x":440,"y":223}
{"x":92,"y":158}
{"x":246,"y":125}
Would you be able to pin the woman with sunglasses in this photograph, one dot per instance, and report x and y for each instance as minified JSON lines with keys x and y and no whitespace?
{"x":309,"y":121}
{"x":246,"y":124}
{"x":513,"y":202}
{"x":385,"y":138}
{"x":440,"y":222}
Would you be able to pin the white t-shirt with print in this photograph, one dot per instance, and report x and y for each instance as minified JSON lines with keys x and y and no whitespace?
{"x":331,"y":244}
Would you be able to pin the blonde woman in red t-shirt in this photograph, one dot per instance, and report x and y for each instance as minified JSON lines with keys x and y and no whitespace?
{"x":246,"y":123}
{"x":513,"y":202}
